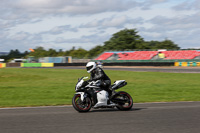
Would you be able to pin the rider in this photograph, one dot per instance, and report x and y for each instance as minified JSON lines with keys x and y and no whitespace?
{"x":96,"y":73}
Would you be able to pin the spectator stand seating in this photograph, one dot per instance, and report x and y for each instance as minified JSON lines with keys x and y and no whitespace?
{"x":104,"y":56}
{"x":137,"y":55}
{"x":183,"y":54}
{"x":148,"y":55}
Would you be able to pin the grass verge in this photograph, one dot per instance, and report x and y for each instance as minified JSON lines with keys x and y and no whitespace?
{"x":40,"y":87}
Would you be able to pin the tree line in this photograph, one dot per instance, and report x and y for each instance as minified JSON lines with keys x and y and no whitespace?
{"x":127,"y":39}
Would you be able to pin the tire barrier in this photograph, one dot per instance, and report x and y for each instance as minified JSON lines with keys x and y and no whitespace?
{"x":16,"y":64}
{"x":37,"y":64}
{"x":187,"y":64}
{"x":2,"y":65}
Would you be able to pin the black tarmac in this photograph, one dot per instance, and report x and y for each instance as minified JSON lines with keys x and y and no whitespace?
{"x":177,"y":117}
{"x":144,"y":69}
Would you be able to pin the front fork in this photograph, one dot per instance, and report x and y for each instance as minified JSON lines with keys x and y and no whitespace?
{"x":83,"y":96}
{"x":91,"y":94}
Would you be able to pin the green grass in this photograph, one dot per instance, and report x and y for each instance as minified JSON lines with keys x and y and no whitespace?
{"x":40,"y":87}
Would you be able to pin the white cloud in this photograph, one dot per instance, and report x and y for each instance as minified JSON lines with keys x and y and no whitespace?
{"x":61,"y":29}
{"x":188,"y":5}
{"x":183,"y":30}
{"x":86,"y":23}
{"x":113,"y":21}
{"x":95,"y":39}
{"x":73,"y":7}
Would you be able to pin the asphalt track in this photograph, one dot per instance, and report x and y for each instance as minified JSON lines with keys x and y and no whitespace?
{"x":178,"y":117}
{"x":144,"y":69}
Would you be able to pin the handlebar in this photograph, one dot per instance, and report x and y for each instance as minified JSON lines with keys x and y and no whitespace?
{"x":95,"y":83}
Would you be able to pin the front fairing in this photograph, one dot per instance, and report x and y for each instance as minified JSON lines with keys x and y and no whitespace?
{"x":80,"y":86}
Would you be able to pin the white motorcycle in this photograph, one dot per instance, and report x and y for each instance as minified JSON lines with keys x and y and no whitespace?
{"x":89,"y":95}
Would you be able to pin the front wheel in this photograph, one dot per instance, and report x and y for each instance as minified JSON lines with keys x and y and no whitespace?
{"x":127,"y":101}
{"x":81,"y":106}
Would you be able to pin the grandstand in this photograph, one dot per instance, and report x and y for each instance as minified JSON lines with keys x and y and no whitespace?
{"x":149,"y":55}
{"x":105,"y":56}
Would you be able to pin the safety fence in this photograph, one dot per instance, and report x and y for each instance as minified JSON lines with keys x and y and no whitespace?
{"x":37,"y":64}
{"x":48,"y":65}
{"x":2,"y":65}
{"x":186,"y":64}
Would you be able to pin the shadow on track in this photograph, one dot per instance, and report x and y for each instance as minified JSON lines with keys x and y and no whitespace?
{"x":113,"y":110}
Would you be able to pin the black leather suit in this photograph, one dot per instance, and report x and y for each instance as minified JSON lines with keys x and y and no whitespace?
{"x":99,"y":74}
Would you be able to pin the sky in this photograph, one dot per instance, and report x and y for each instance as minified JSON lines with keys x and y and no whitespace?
{"x":62,"y":24}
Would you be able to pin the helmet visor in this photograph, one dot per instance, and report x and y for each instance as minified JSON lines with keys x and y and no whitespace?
{"x":89,"y":67}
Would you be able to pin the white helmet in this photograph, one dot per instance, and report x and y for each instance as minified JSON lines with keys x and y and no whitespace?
{"x":90,"y":66}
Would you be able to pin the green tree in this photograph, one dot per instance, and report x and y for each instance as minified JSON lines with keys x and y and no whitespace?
{"x":167,"y":44}
{"x":61,"y":53}
{"x":67,"y":53}
{"x":14,"y":53}
{"x":124,"y":39}
{"x":152,"y":44}
{"x":129,"y":39}
{"x":39,"y":52}
{"x":95,"y":51}
{"x":143,"y":46}
{"x":79,"y":53}
{"x":52,"y":53}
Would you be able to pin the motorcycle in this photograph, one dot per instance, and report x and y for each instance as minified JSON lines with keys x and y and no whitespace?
{"x":88,"y":94}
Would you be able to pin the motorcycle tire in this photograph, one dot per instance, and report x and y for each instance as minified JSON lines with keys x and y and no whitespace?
{"x":129,"y":101}
{"x":81,"y":106}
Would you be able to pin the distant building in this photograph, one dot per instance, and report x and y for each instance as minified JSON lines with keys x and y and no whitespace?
{"x":62,"y":59}
{"x":17,"y":60}
{"x":2,"y":60}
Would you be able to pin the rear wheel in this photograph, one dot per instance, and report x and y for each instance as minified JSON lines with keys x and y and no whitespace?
{"x":127,"y":101}
{"x":81,"y":106}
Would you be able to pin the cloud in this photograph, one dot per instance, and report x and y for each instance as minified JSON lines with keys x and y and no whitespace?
{"x":20,"y":36}
{"x":64,"y":23}
{"x":94,"y":38}
{"x":22,"y":40}
{"x":39,"y":8}
{"x":16,"y":12}
{"x":184,"y":22}
{"x":183,"y":30}
{"x":86,"y":42}
{"x":147,"y":4}
{"x":188,"y":5}
{"x":114,"y":21}
{"x":60,"y":29}
{"x":75,"y":7}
